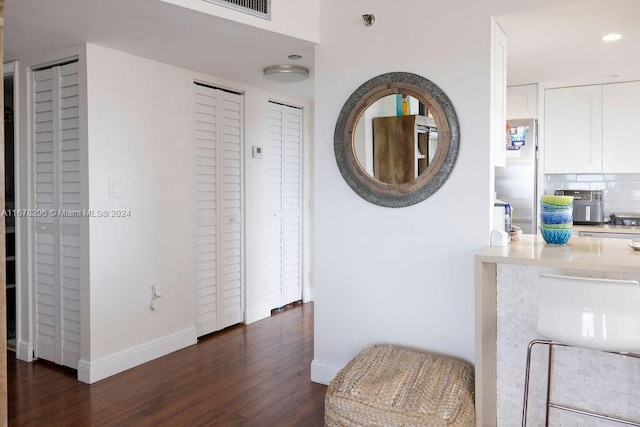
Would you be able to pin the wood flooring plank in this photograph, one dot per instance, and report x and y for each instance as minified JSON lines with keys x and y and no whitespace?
{"x":208,"y":401}
{"x":278,"y":410}
{"x":307,"y":413}
{"x":244,"y":375}
{"x":230,"y":409}
{"x":292,"y":386}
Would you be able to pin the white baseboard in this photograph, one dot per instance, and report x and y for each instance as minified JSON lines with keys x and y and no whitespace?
{"x":322,"y":371}
{"x":91,"y":371}
{"x":24,"y":351}
{"x":257,"y":313}
{"x":307,"y":295}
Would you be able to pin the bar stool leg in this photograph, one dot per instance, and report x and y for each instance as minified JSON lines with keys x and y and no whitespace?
{"x":546,"y":416}
{"x":550,"y":405}
{"x":526,"y":381}
{"x":526,"y":385}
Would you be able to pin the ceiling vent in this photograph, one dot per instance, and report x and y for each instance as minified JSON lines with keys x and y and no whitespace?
{"x":259,"y":8}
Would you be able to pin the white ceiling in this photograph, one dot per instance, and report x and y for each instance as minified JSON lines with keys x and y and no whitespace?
{"x":159,"y":31}
{"x":558,"y":44}
{"x":561,"y":44}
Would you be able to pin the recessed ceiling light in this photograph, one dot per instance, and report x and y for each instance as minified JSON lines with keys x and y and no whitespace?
{"x":295,"y":57}
{"x":611,"y":37}
{"x":286,"y":73}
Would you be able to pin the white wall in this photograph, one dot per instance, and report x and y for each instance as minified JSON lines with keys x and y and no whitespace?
{"x":139,"y":124}
{"x":402,"y":276}
{"x":141,"y":133}
{"x":293,"y":18}
{"x":138,"y":130}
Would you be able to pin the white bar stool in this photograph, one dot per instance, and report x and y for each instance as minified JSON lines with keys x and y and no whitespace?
{"x":596,"y":314}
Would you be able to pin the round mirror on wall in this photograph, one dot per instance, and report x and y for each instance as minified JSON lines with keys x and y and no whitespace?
{"x":396,"y":139}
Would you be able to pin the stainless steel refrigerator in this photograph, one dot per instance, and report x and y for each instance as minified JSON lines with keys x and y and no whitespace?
{"x":517,"y":182}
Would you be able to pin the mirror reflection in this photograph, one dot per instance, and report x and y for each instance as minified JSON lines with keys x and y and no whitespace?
{"x":395,"y":139}
{"x":393,"y":151}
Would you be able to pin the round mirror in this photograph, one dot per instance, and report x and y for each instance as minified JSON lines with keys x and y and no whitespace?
{"x":396,"y":139}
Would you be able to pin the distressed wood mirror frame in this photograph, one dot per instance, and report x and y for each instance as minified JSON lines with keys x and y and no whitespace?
{"x":428,"y":182}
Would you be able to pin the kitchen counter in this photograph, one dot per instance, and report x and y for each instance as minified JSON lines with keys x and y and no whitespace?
{"x":606,"y":256}
{"x":585,"y":253}
{"x":606,"y":228}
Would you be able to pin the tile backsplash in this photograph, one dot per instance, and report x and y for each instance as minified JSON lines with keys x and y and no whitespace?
{"x":621,"y":192}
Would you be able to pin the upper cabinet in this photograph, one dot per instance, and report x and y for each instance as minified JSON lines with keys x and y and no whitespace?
{"x":573,"y":130}
{"x":621,"y":143}
{"x":522,"y":102}
{"x":592,"y":129}
{"x":498,"y":95}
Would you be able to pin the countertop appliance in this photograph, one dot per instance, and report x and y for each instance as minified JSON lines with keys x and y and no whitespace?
{"x":625,"y":219}
{"x":516,"y":183}
{"x":587,"y":206}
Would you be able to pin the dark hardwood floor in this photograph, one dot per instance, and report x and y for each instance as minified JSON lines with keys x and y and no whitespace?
{"x":256,"y":375}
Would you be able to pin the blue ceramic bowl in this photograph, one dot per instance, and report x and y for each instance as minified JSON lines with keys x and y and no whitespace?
{"x":557,"y":236}
{"x":556,"y":217}
{"x":547,"y":207}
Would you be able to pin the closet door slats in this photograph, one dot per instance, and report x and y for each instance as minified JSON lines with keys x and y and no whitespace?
{"x":218,"y":206}
{"x":274,"y":154}
{"x":69,"y":200}
{"x":292,"y":195}
{"x":284,"y":157}
{"x":231,"y":207}
{"x":206,"y":182}
{"x":46,"y":254}
{"x":57,"y":238}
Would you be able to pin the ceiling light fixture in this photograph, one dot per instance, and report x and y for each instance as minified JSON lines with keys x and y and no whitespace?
{"x":611,"y":37}
{"x":286,"y":73}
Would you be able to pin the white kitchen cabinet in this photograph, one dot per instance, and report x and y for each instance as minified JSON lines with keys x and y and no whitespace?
{"x":498,"y":95}
{"x":592,"y":129}
{"x":620,"y":113}
{"x":522,"y":102}
{"x":573,"y":130}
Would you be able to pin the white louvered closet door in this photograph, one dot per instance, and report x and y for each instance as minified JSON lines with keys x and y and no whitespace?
{"x":218,"y":209}
{"x":284,"y":156}
{"x":56,"y":184}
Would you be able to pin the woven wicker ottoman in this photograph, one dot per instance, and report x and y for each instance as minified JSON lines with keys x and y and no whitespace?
{"x":391,"y":386}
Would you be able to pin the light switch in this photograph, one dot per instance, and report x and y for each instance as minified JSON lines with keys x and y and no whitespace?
{"x":256,"y":152}
{"x":114,"y":188}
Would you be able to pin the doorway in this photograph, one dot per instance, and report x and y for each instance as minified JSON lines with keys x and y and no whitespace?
{"x":9,"y":196}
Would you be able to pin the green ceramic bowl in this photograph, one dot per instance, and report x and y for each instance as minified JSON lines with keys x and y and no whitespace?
{"x":562,"y":226}
{"x":557,"y":200}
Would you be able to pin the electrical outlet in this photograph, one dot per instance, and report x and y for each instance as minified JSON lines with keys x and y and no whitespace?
{"x":114,"y":188}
